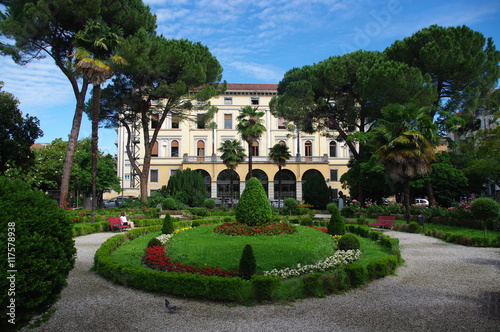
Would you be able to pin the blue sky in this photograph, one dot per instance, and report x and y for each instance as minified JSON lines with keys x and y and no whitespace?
{"x":256,"y":41}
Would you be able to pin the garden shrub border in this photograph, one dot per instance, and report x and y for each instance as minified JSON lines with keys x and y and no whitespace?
{"x":258,"y":289}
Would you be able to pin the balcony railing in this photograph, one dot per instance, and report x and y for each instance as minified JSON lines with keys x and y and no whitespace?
{"x":257,"y":160}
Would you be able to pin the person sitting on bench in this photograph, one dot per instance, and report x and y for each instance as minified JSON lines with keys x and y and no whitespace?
{"x":125,"y":222}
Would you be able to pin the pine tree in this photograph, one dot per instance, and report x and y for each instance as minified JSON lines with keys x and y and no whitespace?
{"x":247,"y":263}
{"x":336,"y":226}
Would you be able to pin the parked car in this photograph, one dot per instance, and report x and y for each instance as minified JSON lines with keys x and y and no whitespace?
{"x":422,"y":202}
{"x":117,"y":201}
{"x":276,"y":202}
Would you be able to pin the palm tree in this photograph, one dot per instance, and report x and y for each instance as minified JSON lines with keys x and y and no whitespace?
{"x":232,"y":156}
{"x":405,"y":139}
{"x":279,"y":154}
{"x":250,"y":127}
{"x":96,"y":43}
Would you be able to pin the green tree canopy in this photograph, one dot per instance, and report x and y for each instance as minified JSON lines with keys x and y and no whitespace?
{"x":17,"y":134}
{"x":462,"y":63}
{"x":170,"y":72}
{"x":187,"y":186}
{"x":48,"y":27}
{"x":315,"y":191}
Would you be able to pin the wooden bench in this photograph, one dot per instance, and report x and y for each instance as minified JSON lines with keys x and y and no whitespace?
{"x":115,"y":224}
{"x":384,"y":221}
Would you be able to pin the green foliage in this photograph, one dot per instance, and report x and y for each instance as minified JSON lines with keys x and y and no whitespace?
{"x":485,"y":208}
{"x":414,"y":227}
{"x":348,"y":242}
{"x":357,"y":274}
{"x":17,"y":134}
{"x":265,"y":287}
{"x":331,"y":206}
{"x":348,"y":211}
{"x":168,"y":225}
{"x":187,"y":186}
{"x":336,"y":226}
{"x":253,"y":207}
{"x":41,"y":234}
{"x":155,"y":242}
{"x":312,"y":285}
{"x":315,"y":191}
{"x":209,"y":203}
{"x":248,"y":266}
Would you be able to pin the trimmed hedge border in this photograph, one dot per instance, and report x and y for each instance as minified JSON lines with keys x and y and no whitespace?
{"x":258,"y":289}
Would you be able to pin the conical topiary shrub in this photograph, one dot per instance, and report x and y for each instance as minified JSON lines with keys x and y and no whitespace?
{"x":168,"y":225}
{"x":336,"y":226}
{"x":253,"y":207}
{"x":247,"y":263}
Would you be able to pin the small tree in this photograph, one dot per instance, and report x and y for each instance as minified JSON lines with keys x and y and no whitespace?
{"x":485,"y":208}
{"x":248,"y":265}
{"x":187,"y":186}
{"x":291,"y":204}
{"x":336,"y":226}
{"x":168,"y":225}
{"x":253,"y":207}
{"x":316,"y":191}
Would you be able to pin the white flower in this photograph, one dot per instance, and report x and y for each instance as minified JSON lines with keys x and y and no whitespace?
{"x":340,"y":258}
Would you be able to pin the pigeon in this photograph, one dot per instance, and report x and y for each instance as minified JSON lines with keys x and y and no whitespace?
{"x":170,"y":307}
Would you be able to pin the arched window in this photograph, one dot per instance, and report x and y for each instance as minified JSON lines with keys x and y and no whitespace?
{"x":255,"y":148}
{"x":308,"y":150}
{"x":174,"y":149}
{"x":282,"y":143}
{"x":333,"y":149}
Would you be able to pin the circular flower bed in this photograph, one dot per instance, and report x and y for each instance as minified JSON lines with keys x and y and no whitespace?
{"x":271,"y":228}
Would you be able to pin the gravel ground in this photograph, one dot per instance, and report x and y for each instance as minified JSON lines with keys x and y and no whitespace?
{"x":441,"y":287}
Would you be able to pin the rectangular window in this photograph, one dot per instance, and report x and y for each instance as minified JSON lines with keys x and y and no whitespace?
{"x":127,"y":177}
{"x":334,"y":175}
{"x":200,"y":120}
{"x":254,"y":100}
{"x":228,"y":100}
{"x":173,"y":172}
{"x":175,"y":121}
{"x":228,"y":121}
{"x":154,"y":121}
{"x":153,"y":175}
{"x":281,"y":123}
{"x":154,"y":150}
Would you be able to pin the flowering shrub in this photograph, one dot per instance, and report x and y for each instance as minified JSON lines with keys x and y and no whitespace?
{"x":156,"y":258}
{"x":339,"y":259}
{"x":271,"y":228}
{"x":164,"y":238}
{"x":460,"y":210}
{"x":181,"y":230}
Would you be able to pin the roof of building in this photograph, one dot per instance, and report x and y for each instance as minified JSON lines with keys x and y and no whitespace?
{"x":251,"y":87}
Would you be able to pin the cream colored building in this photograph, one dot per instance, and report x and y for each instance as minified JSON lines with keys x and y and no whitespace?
{"x":185,"y":144}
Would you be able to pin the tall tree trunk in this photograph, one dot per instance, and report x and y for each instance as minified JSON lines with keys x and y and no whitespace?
{"x":406,"y":198}
{"x":430,"y":193}
{"x":70,"y":150}
{"x":96,"y":97}
{"x":279,"y":187}
{"x":250,"y":153}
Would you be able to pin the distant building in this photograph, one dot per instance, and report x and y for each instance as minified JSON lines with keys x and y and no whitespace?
{"x":182,"y":144}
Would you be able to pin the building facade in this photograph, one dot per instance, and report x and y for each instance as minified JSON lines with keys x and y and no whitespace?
{"x":192,"y":144}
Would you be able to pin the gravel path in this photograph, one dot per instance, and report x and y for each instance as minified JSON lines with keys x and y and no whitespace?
{"x":441,"y":287}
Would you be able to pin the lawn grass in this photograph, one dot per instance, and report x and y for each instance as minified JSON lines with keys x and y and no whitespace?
{"x":132,"y":252}
{"x":201,"y":246}
{"x":469,"y":232}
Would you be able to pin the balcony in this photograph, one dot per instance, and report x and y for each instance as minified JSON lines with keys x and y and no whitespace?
{"x":257,"y":160}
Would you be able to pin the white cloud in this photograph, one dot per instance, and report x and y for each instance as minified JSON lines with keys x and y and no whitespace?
{"x":262,"y":72}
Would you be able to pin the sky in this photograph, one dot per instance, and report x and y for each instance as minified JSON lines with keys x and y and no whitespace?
{"x":255,"y":41}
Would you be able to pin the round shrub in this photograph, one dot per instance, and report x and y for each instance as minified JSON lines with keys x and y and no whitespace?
{"x":247,"y":263}
{"x":168,"y":225}
{"x":336,"y":226}
{"x":348,"y":242}
{"x":253,"y":207}
{"x":209,"y":203}
{"x":330,"y":207}
{"x":348,"y":211}
{"x":154,"y":242}
{"x":40,"y":233}
{"x":484,"y":208}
